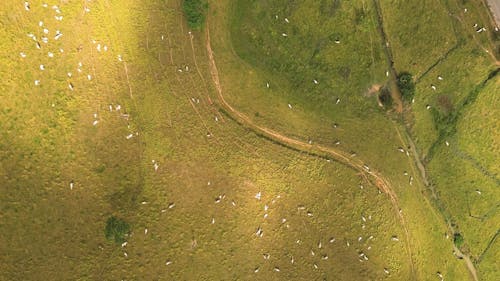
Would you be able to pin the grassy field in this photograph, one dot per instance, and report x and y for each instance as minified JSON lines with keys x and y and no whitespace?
{"x":63,"y":177}
{"x":194,"y":216}
{"x":466,"y":170}
{"x":452,"y":119}
{"x":245,"y":86}
{"x":419,"y":40}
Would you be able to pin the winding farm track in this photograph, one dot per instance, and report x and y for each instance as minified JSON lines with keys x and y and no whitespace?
{"x":370,"y":175}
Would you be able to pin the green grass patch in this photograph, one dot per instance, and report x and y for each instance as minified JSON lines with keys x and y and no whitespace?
{"x":116,"y":230}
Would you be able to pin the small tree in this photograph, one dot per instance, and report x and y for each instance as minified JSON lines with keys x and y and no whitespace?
{"x":406,"y":85}
{"x":195,"y":11}
{"x":458,"y":239}
{"x":116,"y":229}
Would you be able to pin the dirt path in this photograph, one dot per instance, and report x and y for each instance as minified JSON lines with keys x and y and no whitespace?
{"x":369,"y":175}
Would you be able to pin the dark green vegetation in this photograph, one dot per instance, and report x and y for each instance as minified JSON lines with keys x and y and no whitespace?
{"x":406,"y":85}
{"x":195,"y":12}
{"x":116,"y":229}
{"x":458,"y":240}
{"x":184,"y":175}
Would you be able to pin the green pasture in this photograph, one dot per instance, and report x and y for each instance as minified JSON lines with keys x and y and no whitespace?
{"x":137,"y":133}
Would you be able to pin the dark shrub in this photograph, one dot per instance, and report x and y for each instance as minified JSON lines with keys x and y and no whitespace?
{"x":116,"y":229}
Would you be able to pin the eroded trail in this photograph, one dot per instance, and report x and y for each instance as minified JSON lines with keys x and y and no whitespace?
{"x":370,"y":175}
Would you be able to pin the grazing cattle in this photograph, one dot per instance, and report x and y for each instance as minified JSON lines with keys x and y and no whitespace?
{"x":258,"y":195}
{"x":50,"y":54}
{"x":256,"y":269}
{"x":71,"y":87}
{"x":23,"y":55}
{"x":26,"y":6}
{"x":168,"y":262}
{"x":287,"y":21}
{"x":95,"y":122}
{"x":259,"y":232}
{"x":284,"y":35}
{"x":277,"y":269}
{"x":42,"y":67}
{"x":37,"y":82}
{"x":290,"y":106}
{"x":315,"y":81}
